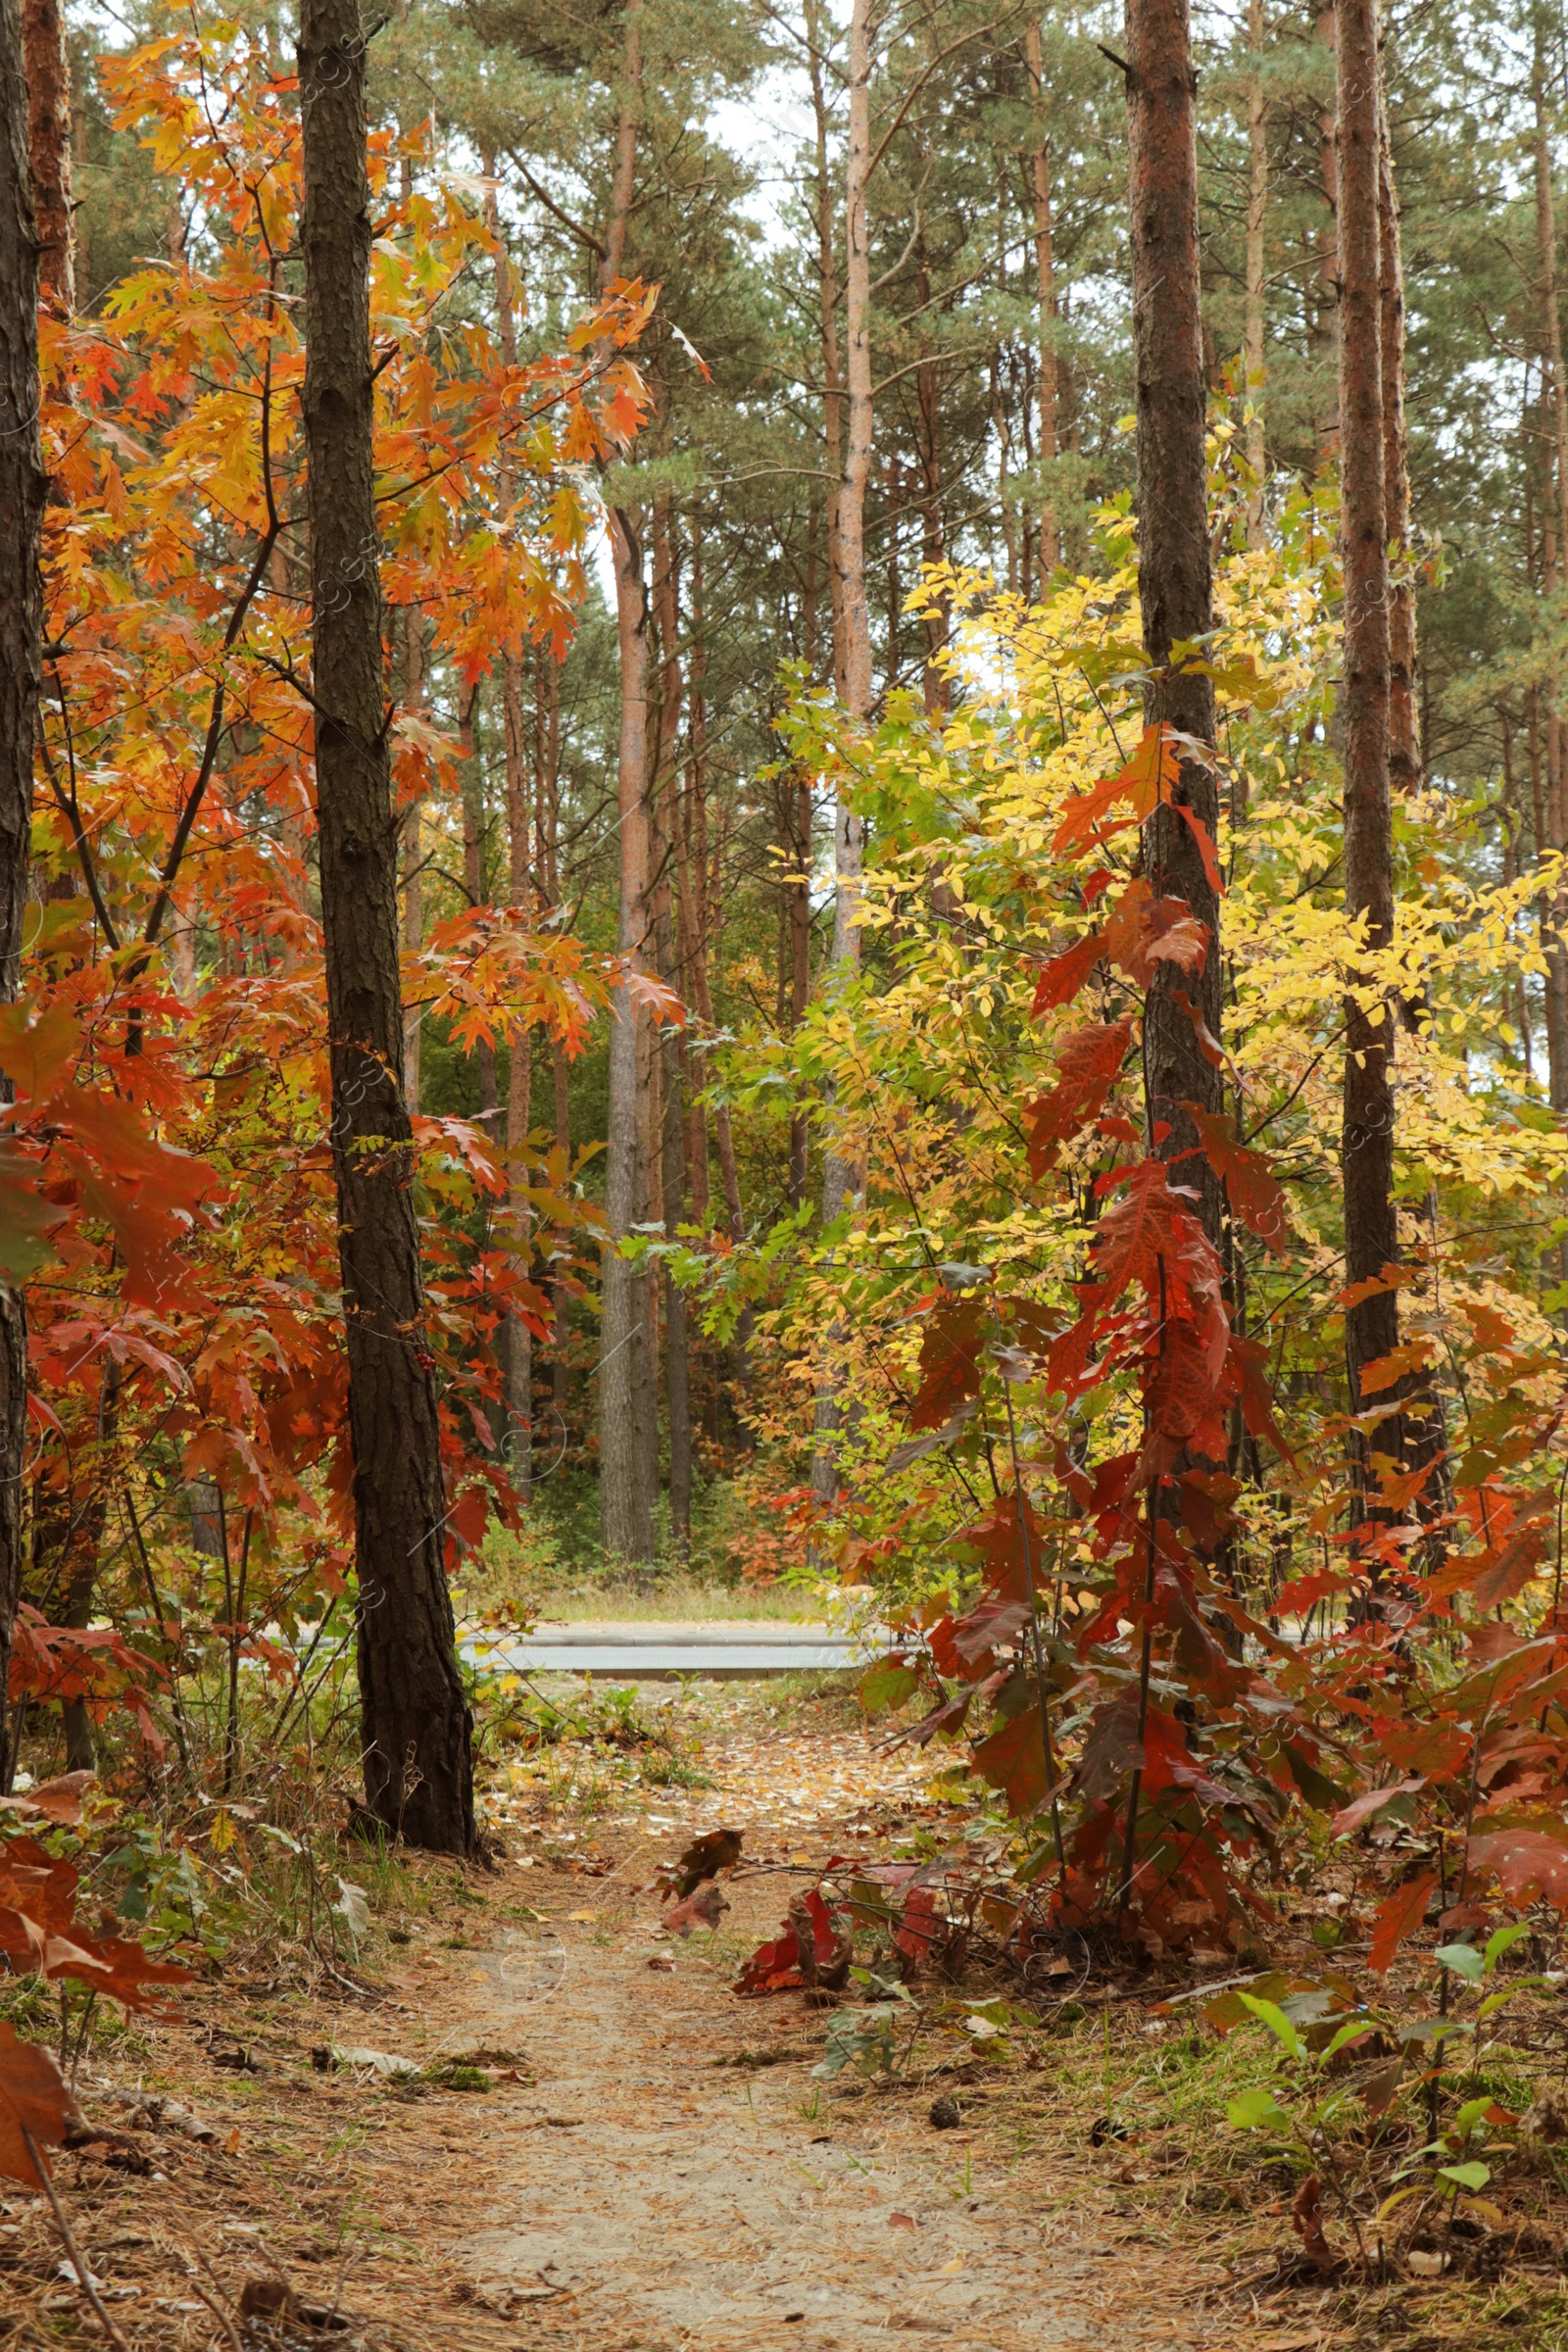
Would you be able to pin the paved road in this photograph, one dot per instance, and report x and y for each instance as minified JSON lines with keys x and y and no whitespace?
{"x":738,"y":1650}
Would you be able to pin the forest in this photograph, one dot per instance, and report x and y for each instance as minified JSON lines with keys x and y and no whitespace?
{"x":784,"y":828}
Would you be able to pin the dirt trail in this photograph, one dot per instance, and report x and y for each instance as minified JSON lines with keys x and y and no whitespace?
{"x":651,"y":2192}
{"x":648,"y":2195}
{"x":625,"y":2185}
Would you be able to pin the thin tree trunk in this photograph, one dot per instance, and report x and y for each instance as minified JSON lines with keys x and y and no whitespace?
{"x":48,"y":71}
{"x":413,"y":683}
{"x":1404,"y":749}
{"x":1326,"y":320}
{"x":517,"y":1354}
{"x":693,"y":852}
{"x":1253,"y":361}
{"x":417,"y":1729}
{"x":1425,"y":1426}
{"x":626,"y":1501}
{"x":547,"y":707}
{"x":1554,"y":539}
{"x":1513,"y":868}
{"x":855,"y":680}
{"x":1045,"y":295}
{"x":842,"y":1169}
{"x":78,"y":1566}
{"x":23,"y":489}
{"x":832,"y":356}
{"x":471,"y":768}
{"x":672,"y":1140}
{"x":1174,"y":583}
{"x":1556,"y":983}
{"x":934,"y":621}
{"x":800,"y":852}
{"x":1371,"y":1224}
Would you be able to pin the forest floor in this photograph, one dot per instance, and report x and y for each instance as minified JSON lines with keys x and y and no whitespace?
{"x":621,"y":2153}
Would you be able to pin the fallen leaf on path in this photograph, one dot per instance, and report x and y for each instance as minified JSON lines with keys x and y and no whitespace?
{"x":703,"y":1909}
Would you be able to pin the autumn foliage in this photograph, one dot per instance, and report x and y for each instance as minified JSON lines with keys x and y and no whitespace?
{"x":168,"y":1190}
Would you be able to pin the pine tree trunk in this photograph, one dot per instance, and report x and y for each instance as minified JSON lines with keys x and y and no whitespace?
{"x":1425,"y":1425}
{"x":1404,"y":749}
{"x":854,"y":678}
{"x":1555,"y":551}
{"x":626,"y":1503}
{"x":828,"y":316}
{"x":23,"y":488}
{"x":1174,"y":582}
{"x":1253,"y":353}
{"x":518,"y":1347}
{"x":842,"y":1176}
{"x":413,"y":700}
{"x":1326,"y":292}
{"x":547,"y":709}
{"x":471,"y":770}
{"x":672,"y":1120}
{"x":48,"y":70}
{"x":626,"y":1372}
{"x":417,"y":1729}
{"x":1371,"y":1227}
{"x":1045,"y":295}
{"x":798,"y":893}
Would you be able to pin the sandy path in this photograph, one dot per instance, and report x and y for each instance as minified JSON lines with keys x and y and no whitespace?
{"x":643,"y":2193}
{"x":653,"y":2198}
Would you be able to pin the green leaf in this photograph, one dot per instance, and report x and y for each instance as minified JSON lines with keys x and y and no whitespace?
{"x":1256,"y":2107}
{"x":1465,"y":2175}
{"x":1463,"y":1959}
{"x":24,"y":1217}
{"x":1502,"y":1941}
{"x":1278,"y":2024}
{"x":1352,"y":2030}
{"x":885,"y":1686}
{"x":1469,"y":2115}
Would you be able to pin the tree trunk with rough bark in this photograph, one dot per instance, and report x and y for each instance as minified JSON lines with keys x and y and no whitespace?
{"x":1554,"y":538}
{"x":413,"y":696}
{"x":1045,"y":295}
{"x":1404,"y":749}
{"x":1174,"y":579}
{"x":23,"y":489}
{"x":1253,"y":355}
{"x":828,"y":317}
{"x":842,"y":1176}
{"x":625,"y":1387}
{"x":48,"y":71}
{"x":1326,"y":290}
{"x":416,"y":1725}
{"x":1425,"y":1426}
{"x":800,"y":852}
{"x":517,"y":1352}
{"x":1371,"y":1224}
{"x":627,"y":1503}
